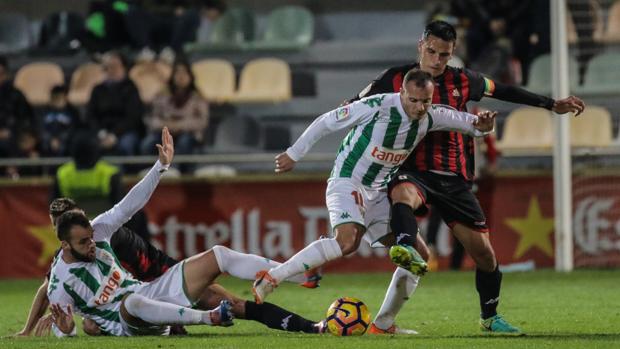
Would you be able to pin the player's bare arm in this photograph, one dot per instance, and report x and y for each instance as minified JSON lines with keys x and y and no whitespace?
{"x":569,"y":104}
{"x":63,"y":320}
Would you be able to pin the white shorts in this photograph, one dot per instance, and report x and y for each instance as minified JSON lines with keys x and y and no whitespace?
{"x":349,"y":202}
{"x":167,"y":288}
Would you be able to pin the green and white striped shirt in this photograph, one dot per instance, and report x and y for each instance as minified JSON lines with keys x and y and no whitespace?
{"x":95,"y":289}
{"x":381,"y":138}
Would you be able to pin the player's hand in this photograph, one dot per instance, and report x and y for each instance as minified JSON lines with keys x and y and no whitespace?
{"x":166,"y":148}
{"x":62,"y":320}
{"x":43,"y":326}
{"x":485,"y":121}
{"x":284,"y":163}
{"x":569,"y":104}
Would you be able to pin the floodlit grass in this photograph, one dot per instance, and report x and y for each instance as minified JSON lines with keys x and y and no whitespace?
{"x":555,"y":310}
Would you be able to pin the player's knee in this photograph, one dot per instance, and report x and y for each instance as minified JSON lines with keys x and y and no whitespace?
{"x":406,"y":194}
{"x":348,"y":237}
{"x":485,"y":259}
{"x":133,"y":304}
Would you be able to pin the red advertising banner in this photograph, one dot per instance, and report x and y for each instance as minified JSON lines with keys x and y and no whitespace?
{"x":276,"y":219}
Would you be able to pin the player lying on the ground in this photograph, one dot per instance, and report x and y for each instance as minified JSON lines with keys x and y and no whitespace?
{"x":386,"y":128}
{"x":145,"y":262}
{"x":86,"y":275}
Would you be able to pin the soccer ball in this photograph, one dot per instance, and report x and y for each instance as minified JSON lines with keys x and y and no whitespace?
{"x":348,"y":316}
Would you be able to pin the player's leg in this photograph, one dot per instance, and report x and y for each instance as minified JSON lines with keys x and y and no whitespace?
{"x":461,"y":209}
{"x":345,"y":203}
{"x":142,"y":312}
{"x":408,"y":194}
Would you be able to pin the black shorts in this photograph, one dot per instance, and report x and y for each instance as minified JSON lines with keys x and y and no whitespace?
{"x":138,"y":256}
{"x":450,"y":195}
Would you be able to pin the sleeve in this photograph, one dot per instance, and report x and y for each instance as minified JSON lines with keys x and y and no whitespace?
{"x":384,"y":83}
{"x":108,"y":222}
{"x":446,"y":119}
{"x":334,"y":120}
{"x":480,"y":86}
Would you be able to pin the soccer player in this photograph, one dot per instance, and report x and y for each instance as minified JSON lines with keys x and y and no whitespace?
{"x":145,"y":262}
{"x":386,"y":128}
{"x":87,"y":276}
{"x":440,"y":170}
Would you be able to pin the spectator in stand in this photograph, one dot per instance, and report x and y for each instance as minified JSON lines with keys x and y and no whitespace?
{"x":60,"y":120}
{"x":182,"y":109}
{"x":210,"y":11}
{"x":115,"y":110}
{"x":15,"y":112}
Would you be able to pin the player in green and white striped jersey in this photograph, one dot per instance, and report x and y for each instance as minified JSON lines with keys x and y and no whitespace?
{"x":385,"y":129}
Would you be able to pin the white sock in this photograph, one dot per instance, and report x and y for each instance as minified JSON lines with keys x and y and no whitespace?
{"x":401,"y":288}
{"x":162,"y":313}
{"x":313,"y":255}
{"x":245,"y":266}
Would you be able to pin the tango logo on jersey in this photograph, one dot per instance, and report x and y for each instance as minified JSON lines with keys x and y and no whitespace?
{"x":114,"y":281}
{"x":389,"y":157}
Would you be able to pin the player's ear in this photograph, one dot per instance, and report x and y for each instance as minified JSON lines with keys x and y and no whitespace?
{"x":64,"y":245}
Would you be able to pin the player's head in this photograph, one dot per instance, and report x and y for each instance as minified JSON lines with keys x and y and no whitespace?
{"x":436,"y":46}
{"x":76,"y":235}
{"x":60,"y":206}
{"x":416,"y":93}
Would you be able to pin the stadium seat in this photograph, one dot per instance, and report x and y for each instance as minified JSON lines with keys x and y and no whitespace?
{"x":264,"y":80}
{"x":236,"y":134}
{"x":288,"y":27}
{"x":603,"y":74}
{"x":83,"y":80}
{"x":36,"y":80}
{"x":592,"y":128}
{"x":14,"y":33}
{"x":539,"y":77}
{"x":527,"y":128}
{"x":612,"y":35}
{"x":231,"y":31}
{"x":151,"y":78}
{"x":597,"y":17}
{"x":215,"y":79}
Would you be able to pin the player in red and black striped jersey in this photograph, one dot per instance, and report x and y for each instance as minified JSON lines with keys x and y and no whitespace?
{"x":440,"y":170}
{"x":146,"y":263}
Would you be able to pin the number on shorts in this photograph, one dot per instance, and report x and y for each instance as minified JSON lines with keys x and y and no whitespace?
{"x":359,"y":200}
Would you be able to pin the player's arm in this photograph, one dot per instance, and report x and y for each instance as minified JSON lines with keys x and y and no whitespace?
{"x":447,"y":119}
{"x":61,"y":308}
{"x":483,"y":86}
{"x":37,"y":309}
{"x":334,"y":120}
{"x":108,"y":222}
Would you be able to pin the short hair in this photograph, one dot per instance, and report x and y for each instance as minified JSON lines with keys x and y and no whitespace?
{"x":68,"y":220}
{"x":59,"y":206}
{"x":419,"y":77}
{"x":118,"y":54}
{"x":59,"y":89}
{"x":441,"y":29}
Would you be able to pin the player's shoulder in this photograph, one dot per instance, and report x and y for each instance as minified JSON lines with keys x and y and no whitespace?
{"x":379,"y":101}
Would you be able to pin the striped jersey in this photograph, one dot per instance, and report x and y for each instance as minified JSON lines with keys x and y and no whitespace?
{"x":381,"y":136}
{"x":443,"y":151}
{"x":95,"y":289}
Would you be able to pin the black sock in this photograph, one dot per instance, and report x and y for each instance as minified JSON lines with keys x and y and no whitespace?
{"x":488,"y":285}
{"x":404,"y":224}
{"x":277,"y":318}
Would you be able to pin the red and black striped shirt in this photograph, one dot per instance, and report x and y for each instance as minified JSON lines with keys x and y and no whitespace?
{"x":440,"y":151}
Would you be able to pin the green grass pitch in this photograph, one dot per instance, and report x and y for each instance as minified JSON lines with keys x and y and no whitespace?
{"x":555,"y":310}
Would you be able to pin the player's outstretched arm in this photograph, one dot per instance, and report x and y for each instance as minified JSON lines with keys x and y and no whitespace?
{"x":108,"y":222}
{"x":37,"y":309}
{"x":569,"y":104}
{"x":284,"y":163}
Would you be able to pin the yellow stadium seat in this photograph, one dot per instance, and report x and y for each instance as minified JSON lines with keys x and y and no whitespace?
{"x":215,"y":79}
{"x":612,"y":35}
{"x":264,"y":80}
{"x":592,"y":128}
{"x":83,"y":80}
{"x":36,"y":80}
{"x":527,"y":128}
{"x":150,"y":78}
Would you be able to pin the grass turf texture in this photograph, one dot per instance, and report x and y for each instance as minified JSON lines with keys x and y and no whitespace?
{"x":575,"y":310}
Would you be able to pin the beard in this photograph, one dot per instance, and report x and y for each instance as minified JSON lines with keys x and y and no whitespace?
{"x":81,"y":257}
